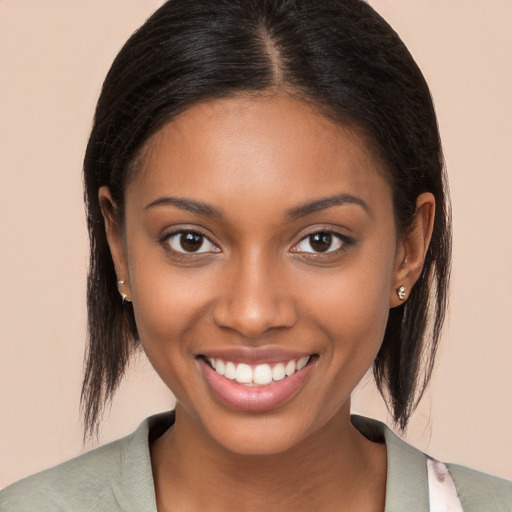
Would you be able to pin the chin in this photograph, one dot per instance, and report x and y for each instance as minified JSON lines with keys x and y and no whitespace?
{"x":271,"y":432}
{"x":262,"y":438}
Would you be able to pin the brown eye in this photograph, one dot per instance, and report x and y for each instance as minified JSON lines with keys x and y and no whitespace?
{"x":191,"y":242}
{"x":319,"y":242}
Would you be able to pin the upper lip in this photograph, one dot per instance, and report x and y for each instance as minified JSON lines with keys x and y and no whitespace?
{"x":260,"y":355}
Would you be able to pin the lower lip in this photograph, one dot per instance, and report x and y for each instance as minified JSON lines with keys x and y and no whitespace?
{"x":253,"y":398}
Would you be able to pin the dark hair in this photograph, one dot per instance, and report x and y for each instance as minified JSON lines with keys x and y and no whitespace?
{"x":338,"y":55}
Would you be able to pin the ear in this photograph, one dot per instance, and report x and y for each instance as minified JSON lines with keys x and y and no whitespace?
{"x":413,"y":248}
{"x":115,"y":241}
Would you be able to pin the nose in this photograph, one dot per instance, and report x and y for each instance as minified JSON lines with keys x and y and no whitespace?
{"x":254,"y":299}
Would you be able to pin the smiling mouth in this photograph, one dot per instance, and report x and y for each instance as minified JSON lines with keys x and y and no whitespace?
{"x":242,"y":382}
{"x":259,"y":374}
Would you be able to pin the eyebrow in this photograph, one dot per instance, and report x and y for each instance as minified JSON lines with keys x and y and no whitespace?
{"x":202,"y":208}
{"x":324,"y":203}
{"x":190,"y":205}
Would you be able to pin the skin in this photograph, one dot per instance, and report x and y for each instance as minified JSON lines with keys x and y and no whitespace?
{"x":258,"y":284}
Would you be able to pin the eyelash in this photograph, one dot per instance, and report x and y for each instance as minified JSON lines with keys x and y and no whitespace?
{"x":343,"y":240}
{"x":165,"y":240}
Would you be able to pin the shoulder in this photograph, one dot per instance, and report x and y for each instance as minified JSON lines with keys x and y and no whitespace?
{"x":116,"y":476}
{"x":408,"y":485}
{"x":88,"y":482}
{"x":479,"y":491}
{"x":67,"y":486}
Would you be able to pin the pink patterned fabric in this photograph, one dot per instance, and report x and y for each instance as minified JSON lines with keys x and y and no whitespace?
{"x":442,"y":492}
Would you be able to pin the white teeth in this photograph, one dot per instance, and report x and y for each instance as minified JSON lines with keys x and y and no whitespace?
{"x":302,"y":362}
{"x":258,"y":375}
{"x":290,"y":368}
{"x":219,"y":366}
{"x":230,"y":370}
{"x":243,"y":374}
{"x":278,"y":372}
{"x":262,"y":374}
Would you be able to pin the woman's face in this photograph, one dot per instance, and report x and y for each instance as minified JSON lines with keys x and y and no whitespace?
{"x":259,"y":236}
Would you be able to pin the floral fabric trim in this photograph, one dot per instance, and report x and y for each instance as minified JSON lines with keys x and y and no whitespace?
{"x":442,"y":492}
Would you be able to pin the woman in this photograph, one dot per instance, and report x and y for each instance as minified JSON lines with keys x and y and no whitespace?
{"x":268,"y":219}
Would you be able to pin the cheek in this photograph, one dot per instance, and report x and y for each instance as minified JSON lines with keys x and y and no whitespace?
{"x":166,"y":299}
{"x":352,"y":308}
{"x":166,"y":310}
{"x":355,"y":295}
{"x":165,"y":307}
{"x":356,"y":329}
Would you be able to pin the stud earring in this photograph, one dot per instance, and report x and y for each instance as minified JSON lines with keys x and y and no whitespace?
{"x":124,"y":297}
{"x":401,"y":292}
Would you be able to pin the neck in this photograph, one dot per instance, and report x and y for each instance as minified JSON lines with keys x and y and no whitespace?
{"x":336,"y":465}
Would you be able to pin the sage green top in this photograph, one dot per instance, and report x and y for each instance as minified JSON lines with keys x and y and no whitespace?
{"x":118,"y":477}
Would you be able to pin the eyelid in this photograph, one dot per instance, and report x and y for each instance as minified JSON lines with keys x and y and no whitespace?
{"x":344,"y":239}
{"x":180,"y":231}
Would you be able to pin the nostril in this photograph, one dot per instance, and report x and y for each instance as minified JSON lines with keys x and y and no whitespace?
{"x":253,"y":318}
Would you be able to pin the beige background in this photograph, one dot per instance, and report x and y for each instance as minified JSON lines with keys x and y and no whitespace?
{"x":53,"y":57}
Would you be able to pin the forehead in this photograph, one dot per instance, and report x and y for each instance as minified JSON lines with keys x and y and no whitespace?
{"x":257,"y":147}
